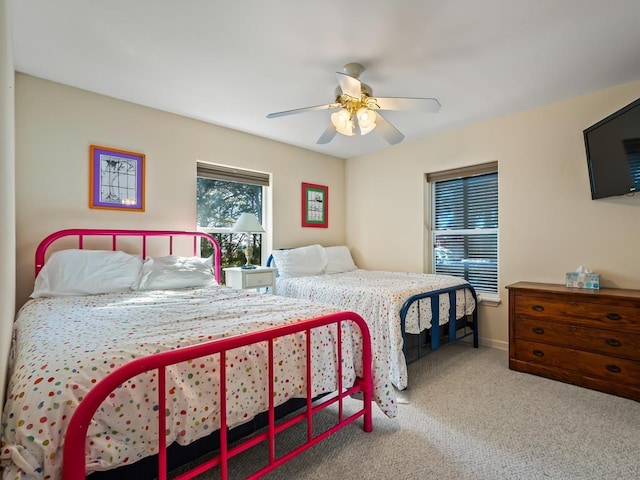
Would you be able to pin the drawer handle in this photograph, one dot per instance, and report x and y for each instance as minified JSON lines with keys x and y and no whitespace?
{"x":614,"y":368}
{"x":613,"y":342}
{"x":538,"y":308}
{"x":613,"y":316}
{"x":539,"y":353}
{"x":538,"y":330}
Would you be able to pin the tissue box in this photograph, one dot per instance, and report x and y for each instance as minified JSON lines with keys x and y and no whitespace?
{"x":583,"y":280}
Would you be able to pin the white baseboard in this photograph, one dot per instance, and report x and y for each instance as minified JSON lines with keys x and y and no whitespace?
{"x":488,"y":342}
{"x":498,"y":344}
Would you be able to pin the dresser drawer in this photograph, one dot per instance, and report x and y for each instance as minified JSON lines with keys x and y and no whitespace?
{"x":597,"y":315}
{"x":256,"y":280}
{"x":585,"y":363}
{"x":574,"y":335}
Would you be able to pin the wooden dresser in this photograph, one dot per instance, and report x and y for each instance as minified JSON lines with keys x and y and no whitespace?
{"x":585,"y":337}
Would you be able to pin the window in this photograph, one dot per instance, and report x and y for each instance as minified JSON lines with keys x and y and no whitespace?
{"x":465,"y":224}
{"x":632,"y":149}
{"x":223,"y":193}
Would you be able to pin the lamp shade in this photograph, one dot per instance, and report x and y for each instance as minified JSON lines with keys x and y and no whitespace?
{"x":366,"y":120}
{"x":247,"y":223}
{"x":343,"y":123}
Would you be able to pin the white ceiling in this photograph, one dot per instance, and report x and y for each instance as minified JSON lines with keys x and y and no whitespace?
{"x":232,"y":62}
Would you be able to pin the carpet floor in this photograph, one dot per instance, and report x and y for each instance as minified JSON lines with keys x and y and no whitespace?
{"x":469,"y":417}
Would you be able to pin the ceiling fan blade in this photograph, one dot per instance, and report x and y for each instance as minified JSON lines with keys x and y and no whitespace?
{"x":390,"y":133}
{"x":301,"y":110}
{"x":328,"y":134}
{"x":430,"y":105}
{"x":356,"y":126}
{"x":349,"y":85}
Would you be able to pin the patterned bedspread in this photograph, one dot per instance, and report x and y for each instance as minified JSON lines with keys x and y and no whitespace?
{"x":64,"y":345}
{"x":378,"y":297}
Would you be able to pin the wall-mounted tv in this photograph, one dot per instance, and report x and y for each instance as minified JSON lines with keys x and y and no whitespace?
{"x":613,"y":153}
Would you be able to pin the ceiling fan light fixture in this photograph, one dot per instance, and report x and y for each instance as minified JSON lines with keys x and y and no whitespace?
{"x":366,"y":120}
{"x":358,"y":112}
{"x":343,"y":123}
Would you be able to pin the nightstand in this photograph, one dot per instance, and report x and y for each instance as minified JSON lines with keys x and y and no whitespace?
{"x":259,"y":277}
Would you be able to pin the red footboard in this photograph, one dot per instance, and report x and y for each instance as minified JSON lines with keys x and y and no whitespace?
{"x":75,"y":439}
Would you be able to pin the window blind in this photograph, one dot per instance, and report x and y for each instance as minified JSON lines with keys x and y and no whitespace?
{"x":462,"y":172}
{"x":634,"y":166}
{"x":230,"y":174}
{"x":465,"y":227}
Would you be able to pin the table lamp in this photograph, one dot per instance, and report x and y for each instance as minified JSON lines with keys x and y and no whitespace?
{"x":247,"y":223}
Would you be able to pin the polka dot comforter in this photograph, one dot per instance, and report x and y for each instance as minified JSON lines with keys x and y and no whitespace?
{"x":63,"y":346}
{"x":378,"y":297}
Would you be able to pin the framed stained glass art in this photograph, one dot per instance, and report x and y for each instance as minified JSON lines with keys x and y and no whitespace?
{"x":315,"y":205}
{"x":116,"y":179}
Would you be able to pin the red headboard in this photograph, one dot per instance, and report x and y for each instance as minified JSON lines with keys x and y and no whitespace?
{"x":82,"y":233}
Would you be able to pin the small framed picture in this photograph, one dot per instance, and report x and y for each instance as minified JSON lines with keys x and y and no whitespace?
{"x":116,"y":179}
{"x":315,"y":205}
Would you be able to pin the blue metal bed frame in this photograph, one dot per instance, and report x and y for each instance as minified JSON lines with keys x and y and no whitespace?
{"x":453,"y":324}
{"x":452,"y":334}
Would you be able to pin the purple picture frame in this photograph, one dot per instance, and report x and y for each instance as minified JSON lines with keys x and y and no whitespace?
{"x":116,"y":179}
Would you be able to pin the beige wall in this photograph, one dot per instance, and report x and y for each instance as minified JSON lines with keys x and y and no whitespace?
{"x":548,"y":223}
{"x":55,"y":124}
{"x":7,"y":193}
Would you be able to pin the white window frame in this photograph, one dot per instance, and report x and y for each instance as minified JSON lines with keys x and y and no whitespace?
{"x":239,"y":175}
{"x":492,"y":298}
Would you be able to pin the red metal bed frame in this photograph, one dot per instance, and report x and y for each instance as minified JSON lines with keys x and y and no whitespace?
{"x":81,"y":233}
{"x":75,"y":438}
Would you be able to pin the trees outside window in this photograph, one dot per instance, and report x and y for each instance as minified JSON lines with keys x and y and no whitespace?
{"x":219,"y":204}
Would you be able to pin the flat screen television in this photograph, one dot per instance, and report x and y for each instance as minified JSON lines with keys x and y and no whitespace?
{"x":613,"y":153}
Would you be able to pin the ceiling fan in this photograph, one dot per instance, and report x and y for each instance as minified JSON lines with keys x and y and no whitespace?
{"x":360,"y":112}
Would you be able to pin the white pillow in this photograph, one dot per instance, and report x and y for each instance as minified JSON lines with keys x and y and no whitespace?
{"x":165,"y":273}
{"x":87,"y":272}
{"x":300,"y":262}
{"x":339,"y":260}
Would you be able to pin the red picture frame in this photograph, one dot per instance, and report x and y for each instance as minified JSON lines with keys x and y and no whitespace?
{"x":315,"y":205}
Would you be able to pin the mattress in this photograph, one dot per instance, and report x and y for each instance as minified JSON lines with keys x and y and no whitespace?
{"x":378,"y":297}
{"x":64,"y":345}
